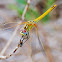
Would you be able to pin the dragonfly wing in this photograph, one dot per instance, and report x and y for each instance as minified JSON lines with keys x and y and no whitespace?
{"x":13,"y":24}
{"x":40,"y":42}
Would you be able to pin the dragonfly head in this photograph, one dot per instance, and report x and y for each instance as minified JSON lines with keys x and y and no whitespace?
{"x":23,"y":32}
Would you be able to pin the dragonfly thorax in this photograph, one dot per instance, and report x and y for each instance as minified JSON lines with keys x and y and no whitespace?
{"x":29,"y":25}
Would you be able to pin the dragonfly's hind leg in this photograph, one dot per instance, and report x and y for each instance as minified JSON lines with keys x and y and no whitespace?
{"x":40,"y":42}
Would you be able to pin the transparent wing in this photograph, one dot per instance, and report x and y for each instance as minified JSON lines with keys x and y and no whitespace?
{"x":40,"y":42}
{"x":9,"y":25}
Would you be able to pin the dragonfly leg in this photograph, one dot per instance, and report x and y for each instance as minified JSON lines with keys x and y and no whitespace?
{"x":40,"y":42}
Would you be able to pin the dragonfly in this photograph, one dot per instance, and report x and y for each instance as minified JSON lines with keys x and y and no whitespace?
{"x":27,"y":27}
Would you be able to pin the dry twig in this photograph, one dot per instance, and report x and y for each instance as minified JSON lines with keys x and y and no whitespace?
{"x":14,"y":33}
{"x":25,"y":10}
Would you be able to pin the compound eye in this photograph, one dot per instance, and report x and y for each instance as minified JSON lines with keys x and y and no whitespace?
{"x":24,"y":31}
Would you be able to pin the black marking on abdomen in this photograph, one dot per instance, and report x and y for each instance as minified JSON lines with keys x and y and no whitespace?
{"x":53,"y":7}
{"x":11,"y":55}
{"x":15,"y":50}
